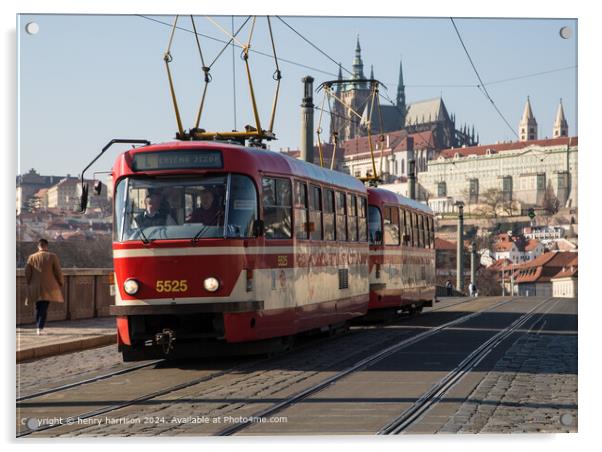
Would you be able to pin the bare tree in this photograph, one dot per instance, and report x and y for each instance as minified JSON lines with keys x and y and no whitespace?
{"x":551,"y":203}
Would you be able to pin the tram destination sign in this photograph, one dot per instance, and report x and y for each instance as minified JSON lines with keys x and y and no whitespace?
{"x":168,"y":160}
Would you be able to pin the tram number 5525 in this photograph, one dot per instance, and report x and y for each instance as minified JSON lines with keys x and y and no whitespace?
{"x":171,"y":285}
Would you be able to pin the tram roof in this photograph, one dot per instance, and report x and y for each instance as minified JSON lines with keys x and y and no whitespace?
{"x":264,"y":160}
{"x":392,"y":197}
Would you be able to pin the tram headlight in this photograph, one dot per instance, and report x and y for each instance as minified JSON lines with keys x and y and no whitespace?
{"x":211,"y":284}
{"x":131,"y":286}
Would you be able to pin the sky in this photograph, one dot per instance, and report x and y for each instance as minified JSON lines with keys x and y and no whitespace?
{"x":86,"y":79}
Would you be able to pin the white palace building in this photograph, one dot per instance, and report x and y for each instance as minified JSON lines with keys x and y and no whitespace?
{"x":524,"y":174}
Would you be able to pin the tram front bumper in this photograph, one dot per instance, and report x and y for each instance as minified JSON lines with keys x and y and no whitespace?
{"x":188,"y":308}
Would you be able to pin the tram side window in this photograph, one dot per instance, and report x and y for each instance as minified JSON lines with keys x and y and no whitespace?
{"x":403,"y":219}
{"x":329,"y":214}
{"x":315,"y":212}
{"x":432,"y":226}
{"x":375,"y":226}
{"x":422,"y":231}
{"x":362,"y":229}
{"x":341,"y":221}
{"x":391,"y":225}
{"x":427,"y":228}
{"x":301,"y":226}
{"x":352,"y":217}
{"x":277,"y":208}
{"x":410,"y":217}
{"x":416,"y":230}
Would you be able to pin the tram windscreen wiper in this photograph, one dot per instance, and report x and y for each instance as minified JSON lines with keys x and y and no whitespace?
{"x":199,"y":234}
{"x":143,"y":236}
{"x":204,"y":228}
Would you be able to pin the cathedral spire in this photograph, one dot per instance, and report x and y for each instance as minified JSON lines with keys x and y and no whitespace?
{"x":527,"y":127}
{"x":371,"y":72}
{"x":401,"y":95}
{"x":561,"y":127}
{"x":358,"y":64}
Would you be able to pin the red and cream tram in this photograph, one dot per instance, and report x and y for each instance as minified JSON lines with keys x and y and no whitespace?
{"x":402,"y":252}
{"x":216,"y":243}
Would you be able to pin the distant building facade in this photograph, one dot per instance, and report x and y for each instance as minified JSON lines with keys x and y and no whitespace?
{"x":540,"y":173}
{"x":29,"y":184}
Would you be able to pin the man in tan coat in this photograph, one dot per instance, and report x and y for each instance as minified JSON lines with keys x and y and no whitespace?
{"x":44,"y":281}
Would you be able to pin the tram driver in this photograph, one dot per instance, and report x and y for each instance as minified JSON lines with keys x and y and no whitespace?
{"x":153,"y":215}
{"x":209,"y":213}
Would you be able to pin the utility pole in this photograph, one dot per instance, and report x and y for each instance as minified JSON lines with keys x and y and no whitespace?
{"x":460,"y":248}
{"x":307,"y":120}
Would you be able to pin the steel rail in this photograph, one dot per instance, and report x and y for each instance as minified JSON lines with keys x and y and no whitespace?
{"x":142,"y":366}
{"x":158,"y":393}
{"x":358,"y":366}
{"x":434,"y":395}
{"x":143,"y":398}
{"x":184,"y":385}
{"x":87,"y":381}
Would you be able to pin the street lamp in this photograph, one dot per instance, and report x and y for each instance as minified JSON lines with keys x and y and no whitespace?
{"x":460,"y":247}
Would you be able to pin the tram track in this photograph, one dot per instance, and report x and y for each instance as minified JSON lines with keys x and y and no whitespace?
{"x":164,"y":391}
{"x":129,"y":369}
{"x":88,"y":380}
{"x":358,"y":366}
{"x":435,"y":394}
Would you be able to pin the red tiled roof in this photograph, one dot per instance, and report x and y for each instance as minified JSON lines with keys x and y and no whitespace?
{"x":398,"y":141}
{"x":441,"y":244}
{"x":566,"y":273}
{"x":531,"y":245}
{"x":501,"y":147}
{"x":545,"y":267}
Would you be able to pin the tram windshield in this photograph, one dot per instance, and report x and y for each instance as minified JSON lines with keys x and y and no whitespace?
{"x":184,"y":208}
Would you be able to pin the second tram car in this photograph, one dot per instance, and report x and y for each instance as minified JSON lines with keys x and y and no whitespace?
{"x":402,"y":252}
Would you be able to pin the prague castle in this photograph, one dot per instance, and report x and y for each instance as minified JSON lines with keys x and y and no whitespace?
{"x":423,"y":116}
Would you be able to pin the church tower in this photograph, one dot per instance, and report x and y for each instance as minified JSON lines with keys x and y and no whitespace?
{"x":561,"y":127}
{"x":401,"y":96}
{"x":527,"y":129}
{"x":358,"y":64}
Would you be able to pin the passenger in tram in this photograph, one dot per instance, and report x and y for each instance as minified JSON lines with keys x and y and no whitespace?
{"x":209,"y":213}
{"x":153,"y":215}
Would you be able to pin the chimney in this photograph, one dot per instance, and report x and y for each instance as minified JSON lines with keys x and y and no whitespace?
{"x":307,"y":120}
{"x":412,"y":179}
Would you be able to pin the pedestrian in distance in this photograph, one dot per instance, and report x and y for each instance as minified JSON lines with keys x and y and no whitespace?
{"x":44,"y":279}
{"x":449,"y":288}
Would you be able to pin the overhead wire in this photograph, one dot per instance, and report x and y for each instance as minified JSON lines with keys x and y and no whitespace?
{"x":305,"y":66}
{"x":258,"y":52}
{"x":314,"y":46}
{"x":482,"y":86}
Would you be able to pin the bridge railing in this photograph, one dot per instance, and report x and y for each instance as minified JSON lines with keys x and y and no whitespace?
{"x":86,"y":294}
{"x":442,"y":292}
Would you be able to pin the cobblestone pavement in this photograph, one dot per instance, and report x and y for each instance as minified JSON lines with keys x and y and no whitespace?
{"x":532,"y":388}
{"x":63,"y":369}
{"x":242,"y":394}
